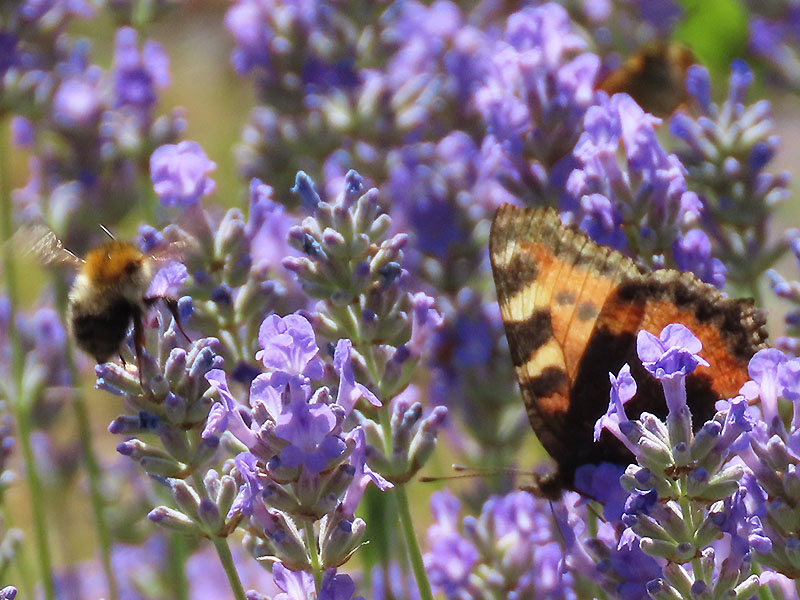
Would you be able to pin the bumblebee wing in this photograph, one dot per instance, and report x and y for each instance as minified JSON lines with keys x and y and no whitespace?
{"x":173,"y":251}
{"x":42,"y":244}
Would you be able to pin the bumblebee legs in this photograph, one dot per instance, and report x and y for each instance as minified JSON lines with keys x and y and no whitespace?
{"x":172,"y":307}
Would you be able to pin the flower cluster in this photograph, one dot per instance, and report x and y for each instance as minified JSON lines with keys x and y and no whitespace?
{"x":301,"y":466}
{"x":725,"y":149}
{"x":233,"y":263}
{"x":774,"y":37}
{"x":645,"y":206}
{"x":91,"y":134}
{"x":773,"y":459}
{"x":685,"y":490}
{"x":788,"y":290}
{"x":534,"y":99}
{"x":511,"y":551}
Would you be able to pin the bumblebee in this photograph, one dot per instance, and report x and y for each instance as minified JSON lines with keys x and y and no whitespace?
{"x":655,"y":77}
{"x":110,"y":292}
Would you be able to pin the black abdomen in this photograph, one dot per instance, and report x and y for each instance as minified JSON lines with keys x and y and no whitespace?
{"x":101,"y":334}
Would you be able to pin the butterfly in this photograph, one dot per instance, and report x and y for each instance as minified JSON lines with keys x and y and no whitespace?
{"x":572,"y":310}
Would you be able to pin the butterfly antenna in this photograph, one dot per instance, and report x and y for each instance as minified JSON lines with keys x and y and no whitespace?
{"x":107,"y":232}
{"x":469,"y":472}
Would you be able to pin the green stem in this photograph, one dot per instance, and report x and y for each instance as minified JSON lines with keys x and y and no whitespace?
{"x":20,"y":404}
{"x":90,"y":458}
{"x":178,"y":552}
{"x":313,"y":553}
{"x":95,"y":488}
{"x":224,"y":553}
{"x":414,"y":554}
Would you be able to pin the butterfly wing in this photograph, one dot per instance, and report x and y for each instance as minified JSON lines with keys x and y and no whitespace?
{"x":552,"y":283}
{"x":572,"y":310}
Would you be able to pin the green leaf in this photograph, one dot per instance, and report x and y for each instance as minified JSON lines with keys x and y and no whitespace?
{"x":716,"y":31}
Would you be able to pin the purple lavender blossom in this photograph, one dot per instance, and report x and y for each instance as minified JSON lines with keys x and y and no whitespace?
{"x":337,"y":587}
{"x":511,"y":547}
{"x":77,"y":103}
{"x":269,"y":40}
{"x":736,"y":193}
{"x":770,"y":370}
{"x":623,"y":389}
{"x":670,"y":358}
{"x":645,"y":201}
{"x":534,"y":98}
{"x":296,"y":585}
{"x":179,"y":173}
{"x":774,"y":37}
{"x":288,"y":345}
{"x":138,"y":75}
{"x":8,"y":593}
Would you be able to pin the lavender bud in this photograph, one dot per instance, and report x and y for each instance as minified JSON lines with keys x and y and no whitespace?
{"x":748,"y":588}
{"x":709,"y":529}
{"x":209,"y":515}
{"x":424,"y":442}
{"x":791,"y":483}
{"x":276,"y":496}
{"x":185,"y":497}
{"x":338,"y":481}
{"x":287,"y":542}
{"x":366,"y":214}
{"x":173,"y":520}
{"x":782,"y":517}
{"x":175,"y":443}
{"x":174,"y":408}
{"x":340,"y":541}
{"x":130,"y":424}
{"x":353,"y":186}
{"x":166,"y":467}
{"x":647,"y":526}
{"x":777,"y":455}
{"x":380,"y":227}
{"x":659,"y":590}
{"x":211,"y":483}
{"x":8,"y":593}
{"x":705,"y":440}
{"x":304,"y":187}
{"x":175,"y":368}
{"x":656,"y":455}
{"x":116,"y":380}
{"x":231,"y":238}
{"x":197,"y":411}
{"x":227,"y":494}
{"x":658,"y":548}
{"x":204,"y":452}
{"x":681,"y":454}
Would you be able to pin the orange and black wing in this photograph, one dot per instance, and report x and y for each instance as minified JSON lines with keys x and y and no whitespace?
{"x":552,"y":283}
{"x":572,"y":310}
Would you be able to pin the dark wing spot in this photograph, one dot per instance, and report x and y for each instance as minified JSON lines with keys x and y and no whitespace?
{"x":564,"y":297}
{"x":546,"y":383}
{"x":520,"y":273}
{"x":525,"y":337}
{"x":587,"y":310}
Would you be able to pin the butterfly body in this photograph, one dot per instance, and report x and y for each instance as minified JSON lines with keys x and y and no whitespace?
{"x":572,"y":309}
